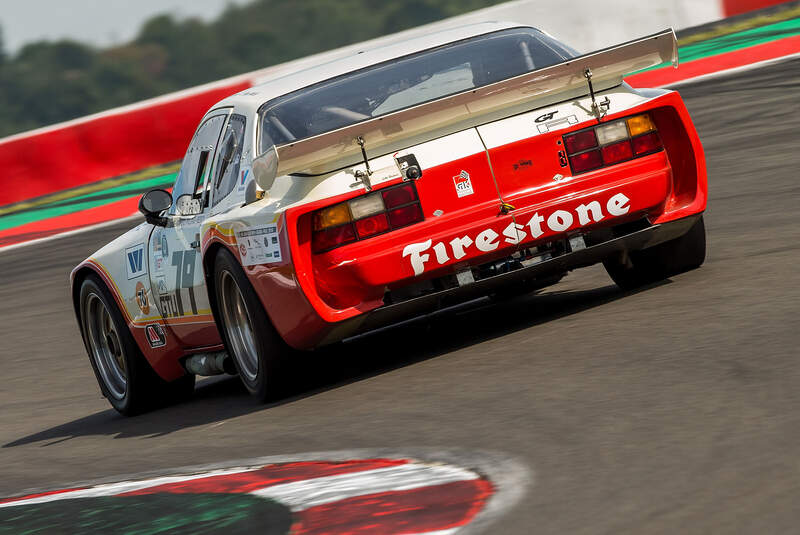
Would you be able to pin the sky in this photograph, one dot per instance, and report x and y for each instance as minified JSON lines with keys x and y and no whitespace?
{"x":98,"y":22}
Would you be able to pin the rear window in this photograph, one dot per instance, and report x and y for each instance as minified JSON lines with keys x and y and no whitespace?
{"x":412,"y":80}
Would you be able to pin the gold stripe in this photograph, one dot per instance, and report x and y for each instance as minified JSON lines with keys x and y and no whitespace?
{"x":145,"y":174}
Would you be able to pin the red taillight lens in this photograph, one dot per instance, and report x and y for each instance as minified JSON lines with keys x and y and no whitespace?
{"x":365,"y":216}
{"x":580,"y":141}
{"x":372,"y":225}
{"x":400,"y":217}
{"x":586,"y":161}
{"x":616,"y":141}
{"x":646,"y":143}
{"x":617,"y":152}
{"x":398,"y":196}
{"x":332,"y":237}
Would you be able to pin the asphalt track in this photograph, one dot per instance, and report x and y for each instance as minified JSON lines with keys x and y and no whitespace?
{"x":672,"y":409}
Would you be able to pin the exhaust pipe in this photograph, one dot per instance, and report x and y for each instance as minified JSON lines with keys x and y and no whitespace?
{"x":210,"y":364}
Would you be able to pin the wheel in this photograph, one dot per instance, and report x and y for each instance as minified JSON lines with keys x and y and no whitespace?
{"x":660,"y":261}
{"x":257,"y":349}
{"x":124,"y":376}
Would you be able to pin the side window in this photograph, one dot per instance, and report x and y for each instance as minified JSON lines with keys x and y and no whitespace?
{"x":230,"y":158}
{"x":190,"y":185}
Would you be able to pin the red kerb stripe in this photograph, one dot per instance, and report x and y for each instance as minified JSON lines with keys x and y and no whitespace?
{"x":434,"y":508}
{"x":274,"y":474}
{"x":720,"y":62}
{"x":39,"y":495}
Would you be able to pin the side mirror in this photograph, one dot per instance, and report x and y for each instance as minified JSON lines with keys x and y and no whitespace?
{"x":153,"y":203}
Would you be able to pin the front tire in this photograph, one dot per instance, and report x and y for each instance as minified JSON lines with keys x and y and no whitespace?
{"x":124,"y":375}
{"x":638,"y":268}
{"x":258,"y":351}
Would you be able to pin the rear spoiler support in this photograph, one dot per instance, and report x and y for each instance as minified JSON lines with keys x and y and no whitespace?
{"x":595,"y":107}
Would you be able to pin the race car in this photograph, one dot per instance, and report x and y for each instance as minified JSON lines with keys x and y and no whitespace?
{"x":426,"y":172}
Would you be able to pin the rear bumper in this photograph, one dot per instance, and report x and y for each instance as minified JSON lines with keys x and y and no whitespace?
{"x":592,"y":254}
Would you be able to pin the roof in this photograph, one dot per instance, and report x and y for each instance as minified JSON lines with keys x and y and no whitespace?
{"x":400,"y":46}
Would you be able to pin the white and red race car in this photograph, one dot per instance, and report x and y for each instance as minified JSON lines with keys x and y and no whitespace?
{"x":331,"y":201}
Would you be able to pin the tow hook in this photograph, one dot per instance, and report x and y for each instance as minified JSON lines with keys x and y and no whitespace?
{"x":506,"y":208}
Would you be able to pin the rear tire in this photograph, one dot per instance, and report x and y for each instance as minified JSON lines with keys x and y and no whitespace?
{"x":660,"y":261}
{"x":124,"y":375}
{"x":258,"y":351}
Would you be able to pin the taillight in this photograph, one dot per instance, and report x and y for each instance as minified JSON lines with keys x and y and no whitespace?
{"x":586,"y":161}
{"x":580,"y":141}
{"x":333,"y":237}
{"x":617,"y":152}
{"x":611,"y":143}
{"x":646,"y":143}
{"x":405,"y":215}
{"x":365,"y":216}
{"x":372,"y":225}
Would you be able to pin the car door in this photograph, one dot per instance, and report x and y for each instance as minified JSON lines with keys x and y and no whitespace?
{"x":177,"y":274}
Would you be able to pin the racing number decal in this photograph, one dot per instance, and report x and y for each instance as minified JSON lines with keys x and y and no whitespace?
{"x":184,"y":277}
{"x":172,"y":304}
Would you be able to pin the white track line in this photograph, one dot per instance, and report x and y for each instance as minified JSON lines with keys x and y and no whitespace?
{"x":125,"y":486}
{"x":297,"y":495}
{"x":301,"y":495}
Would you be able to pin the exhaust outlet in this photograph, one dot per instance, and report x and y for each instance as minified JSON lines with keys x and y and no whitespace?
{"x":210,"y":364}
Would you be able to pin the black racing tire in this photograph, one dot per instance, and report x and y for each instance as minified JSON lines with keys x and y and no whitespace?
{"x":124,"y":375}
{"x":258,"y":351}
{"x":639,"y":268}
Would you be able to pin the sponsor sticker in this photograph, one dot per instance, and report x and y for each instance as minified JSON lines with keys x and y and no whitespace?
{"x":463,"y":184}
{"x":522,"y":164}
{"x":134,"y":261}
{"x":162,"y":285}
{"x":141,"y":298}
{"x":421,"y":255}
{"x":156,"y":336}
{"x":156,"y":243}
{"x":259,"y":245}
{"x":243,"y":176}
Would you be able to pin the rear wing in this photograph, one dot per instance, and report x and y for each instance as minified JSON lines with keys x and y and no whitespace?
{"x":388,"y":133}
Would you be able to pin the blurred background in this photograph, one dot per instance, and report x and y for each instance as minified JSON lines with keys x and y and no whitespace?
{"x":61,"y":60}
{"x":671,"y":409}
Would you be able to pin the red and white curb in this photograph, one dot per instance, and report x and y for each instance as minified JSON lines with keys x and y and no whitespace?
{"x":344,"y":492}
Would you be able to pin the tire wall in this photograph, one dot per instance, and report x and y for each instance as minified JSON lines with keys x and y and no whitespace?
{"x":102,"y":146}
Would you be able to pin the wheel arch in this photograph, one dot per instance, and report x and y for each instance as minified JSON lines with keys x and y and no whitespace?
{"x":79,"y":275}
{"x":209,"y":258}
